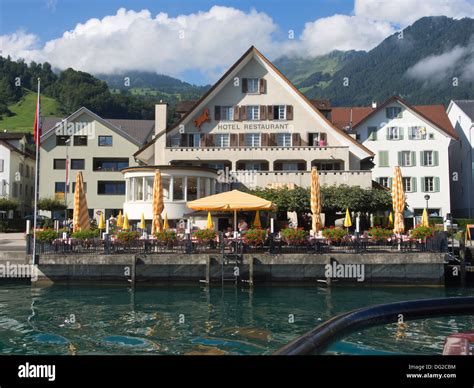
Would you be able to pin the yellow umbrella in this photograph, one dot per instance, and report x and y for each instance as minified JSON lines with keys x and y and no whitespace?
{"x":120,"y":220}
{"x":80,"y":217}
{"x":210,"y":224}
{"x":142,"y":225}
{"x":315,"y":201}
{"x":126,"y":225}
{"x":257,"y":224}
{"x":165,"y":222}
{"x":398,"y":201}
{"x":390,"y":218}
{"x":158,"y":204}
{"x":101,"y":225}
{"x":347,"y":219}
{"x":424,"y":218}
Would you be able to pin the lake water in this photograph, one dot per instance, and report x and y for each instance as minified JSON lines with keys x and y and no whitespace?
{"x":192,"y":320}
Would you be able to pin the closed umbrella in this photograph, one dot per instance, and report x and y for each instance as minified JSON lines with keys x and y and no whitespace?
{"x":158,"y":204}
{"x":126,"y":225}
{"x":390,"y":219}
{"x":257,"y":224}
{"x":315,"y":201}
{"x":120,"y":220}
{"x":80,"y":217}
{"x":209,"y":224}
{"x":165,"y":222}
{"x":347,"y":219}
{"x":424,"y":218}
{"x":398,"y":201}
{"x":101,"y":225}
{"x":142,"y":225}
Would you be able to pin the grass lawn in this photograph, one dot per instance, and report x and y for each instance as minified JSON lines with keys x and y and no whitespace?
{"x":24,"y":111}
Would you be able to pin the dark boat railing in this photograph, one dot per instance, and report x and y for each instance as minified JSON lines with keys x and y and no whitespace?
{"x":323,"y":336}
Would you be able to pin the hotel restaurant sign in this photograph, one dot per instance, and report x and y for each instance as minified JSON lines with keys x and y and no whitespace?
{"x":254,"y":126}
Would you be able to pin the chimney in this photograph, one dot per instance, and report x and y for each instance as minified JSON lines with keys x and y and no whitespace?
{"x":374,"y":104}
{"x":161,"y":116}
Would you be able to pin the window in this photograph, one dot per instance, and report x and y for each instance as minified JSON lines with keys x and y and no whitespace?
{"x":279,"y":112}
{"x":73,"y":187}
{"x":80,"y":140}
{"x":383,"y":159}
{"x":21,"y":168}
{"x":15,"y":189}
{"x":178,"y":188}
{"x":21,"y":189}
{"x":372,"y":133}
{"x":222,"y":140}
{"x":290,"y":166}
{"x":1,"y":165}
{"x":59,"y":164}
{"x":283,"y":139}
{"x":61,"y":140}
{"x":252,"y":140}
{"x":109,"y":164}
{"x":252,"y":85}
{"x":105,"y":141}
{"x":317,"y":139}
{"x":192,"y":188}
{"x":430,"y":184}
{"x":253,"y":112}
{"x":393,"y":112}
{"x":328,"y":166}
{"x":429,"y":158}
{"x":394,"y":133}
{"x":59,"y":187}
{"x":227,"y":113}
{"x":175,"y":141}
{"x":27,"y":171}
{"x":166,"y":180}
{"x":111,"y":187}
{"x":194,"y":140}
{"x":77,"y":164}
{"x":417,"y":133}
{"x":407,"y":187}
{"x":253,"y":166}
{"x":406,"y":158}
{"x":384,"y":181}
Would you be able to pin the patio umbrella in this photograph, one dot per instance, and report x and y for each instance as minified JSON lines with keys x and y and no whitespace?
{"x":142,"y":225}
{"x":424,"y":218}
{"x":158,"y":204}
{"x":398,"y":201}
{"x":165,"y":222}
{"x":210,"y":224}
{"x":257,"y":224}
{"x":390,"y":218}
{"x":315,"y":201}
{"x":347,"y":219}
{"x":101,"y":225}
{"x":80,"y":219}
{"x":120,"y":220}
{"x":233,"y":201}
{"x":126,"y":225}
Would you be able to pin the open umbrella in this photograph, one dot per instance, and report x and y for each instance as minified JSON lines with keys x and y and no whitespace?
{"x":120,"y":220}
{"x":315,"y":201}
{"x":347,"y":219}
{"x":210,"y":224}
{"x":257,"y":224}
{"x":126,"y":225}
{"x":398,"y":201}
{"x":158,"y":204}
{"x":165,"y":222}
{"x":142,"y":225}
{"x":424,"y":218}
{"x":80,"y":217}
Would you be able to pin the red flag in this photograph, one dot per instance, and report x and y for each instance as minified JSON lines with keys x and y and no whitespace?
{"x":37,"y":128}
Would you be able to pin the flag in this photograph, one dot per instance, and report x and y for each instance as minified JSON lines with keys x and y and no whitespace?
{"x":37,"y":128}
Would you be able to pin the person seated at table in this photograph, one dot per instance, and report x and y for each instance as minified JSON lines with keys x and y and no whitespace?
{"x":229,"y":232}
{"x":242,"y":226}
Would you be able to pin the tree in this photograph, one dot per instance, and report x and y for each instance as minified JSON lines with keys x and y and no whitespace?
{"x":8,"y":204}
{"x":49,"y":204}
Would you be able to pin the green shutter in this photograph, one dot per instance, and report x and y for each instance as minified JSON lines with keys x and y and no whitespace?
{"x":422,"y":184}
{"x":413,"y":185}
{"x":413,"y":158}
{"x":436,"y":184}
{"x":388,"y":130}
{"x":390,"y":182}
{"x":383,"y":158}
{"x":422,"y":158}
{"x":400,"y":133}
{"x":435,"y":158}
{"x":400,"y":158}
{"x":410,"y":133}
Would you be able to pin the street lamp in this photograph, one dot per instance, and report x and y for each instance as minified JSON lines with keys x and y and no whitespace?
{"x":427,"y":198}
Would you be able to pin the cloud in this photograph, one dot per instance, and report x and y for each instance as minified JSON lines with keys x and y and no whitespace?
{"x":19,"y":44}
{"x":405,"y":12}
{"x":458,"y":61}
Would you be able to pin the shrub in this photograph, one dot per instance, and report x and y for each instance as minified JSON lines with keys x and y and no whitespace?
{"x":85,"y":234}
{"x":46,"y":235}
{"x":422,"y":232}
{"x":126,"y":237}
{"x":166,"y":236}
{"x":380,"y":234}
{"x":334,"y":234}
{"x":205,"y":235}
{"x":255,"y":236}
{"x":294,"y":236}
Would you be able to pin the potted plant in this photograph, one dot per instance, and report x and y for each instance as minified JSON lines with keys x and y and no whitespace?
{"x":334,"y":235}
{"x":205,"y":236}
{"x":46,"y":235}
{"x":166,"y":237}
{"x":380,"y":234}
{"x":255,"y":237}
{"x":127,"y":237}
{"x":422,"y":232}
{"x":294,"y":236}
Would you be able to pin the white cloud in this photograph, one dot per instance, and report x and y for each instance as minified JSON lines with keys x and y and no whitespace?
{"x":18,"y":45}
{"x":405,"y":12}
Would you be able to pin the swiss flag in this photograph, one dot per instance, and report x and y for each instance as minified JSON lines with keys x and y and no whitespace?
{"x":37,"y":128}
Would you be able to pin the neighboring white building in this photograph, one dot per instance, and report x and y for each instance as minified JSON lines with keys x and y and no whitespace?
{"x":417,"y":138}
{"x":461,"y":115}
{"x":17,"y":171}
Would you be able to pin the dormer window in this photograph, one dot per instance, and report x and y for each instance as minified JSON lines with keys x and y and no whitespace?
{"x":393,"y":112}
{"x":252,"y":85}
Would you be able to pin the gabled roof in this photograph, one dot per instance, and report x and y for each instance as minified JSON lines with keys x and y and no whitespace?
{"x":136,"y":131}
{"x":13,"y":135}
{"x":467,"y":106}
{"x":12,"y":148}
{"x":434,"y":114}
{"x":253,"y":51}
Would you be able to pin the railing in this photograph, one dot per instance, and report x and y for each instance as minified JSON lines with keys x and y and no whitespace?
{"x":272,"y":245}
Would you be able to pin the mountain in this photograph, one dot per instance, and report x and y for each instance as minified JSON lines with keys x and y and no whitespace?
{"x":430,"y":62}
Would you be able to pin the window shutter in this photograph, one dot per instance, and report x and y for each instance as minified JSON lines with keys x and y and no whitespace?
{"x":423,"y":184}
{"x":413,"y":158}
{"x":270,"y":112}
{"x":422,"y":158}
{"x":265,"y":139}
{"x":435,"y":158}
{"x":263,"y":85}
{"x":233,"y":140}
{"x":410,"y":133}
{"x":388,"y":133}
{"x":217,"y":113}
{"x":183,"y":142}
{"x":436,"y":184}
{"x":289,"y":112}
{"x":272,"y":141}
{"x":241,"y":140}
{"x":243,"y":113}
{"x":202,"y":140}
{"x":296,"y":139}
{"x":383,"y":158}
{"x":400,"y":133}
{"x":400,"y":158}
{"x":210,"y":140}
{"x":236,"y":113}
{"x":390,"y":182}
{"x":263,"y":112}
{"x":413,"y":185}
{"x":244,"y":85}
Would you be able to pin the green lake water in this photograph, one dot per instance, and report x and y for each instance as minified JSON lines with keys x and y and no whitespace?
{"x":192,"y":320}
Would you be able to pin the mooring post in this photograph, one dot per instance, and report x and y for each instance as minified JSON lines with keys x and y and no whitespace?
{"x":133,"y":271}
{"x":208,"y":269}
{"x":251,"y":262}
{"x":462,"y":257}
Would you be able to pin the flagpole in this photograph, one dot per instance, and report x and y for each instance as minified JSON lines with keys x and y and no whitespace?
{"x":37,"y":142}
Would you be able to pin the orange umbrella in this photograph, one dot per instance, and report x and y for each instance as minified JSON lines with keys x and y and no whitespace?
{"x":315,"y":201}
{"x":398,"y":201}
{"x":158,"y":204}
{"x":80,"y":219}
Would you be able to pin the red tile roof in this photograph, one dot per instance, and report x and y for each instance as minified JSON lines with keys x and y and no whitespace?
{"x":341,"y":116}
